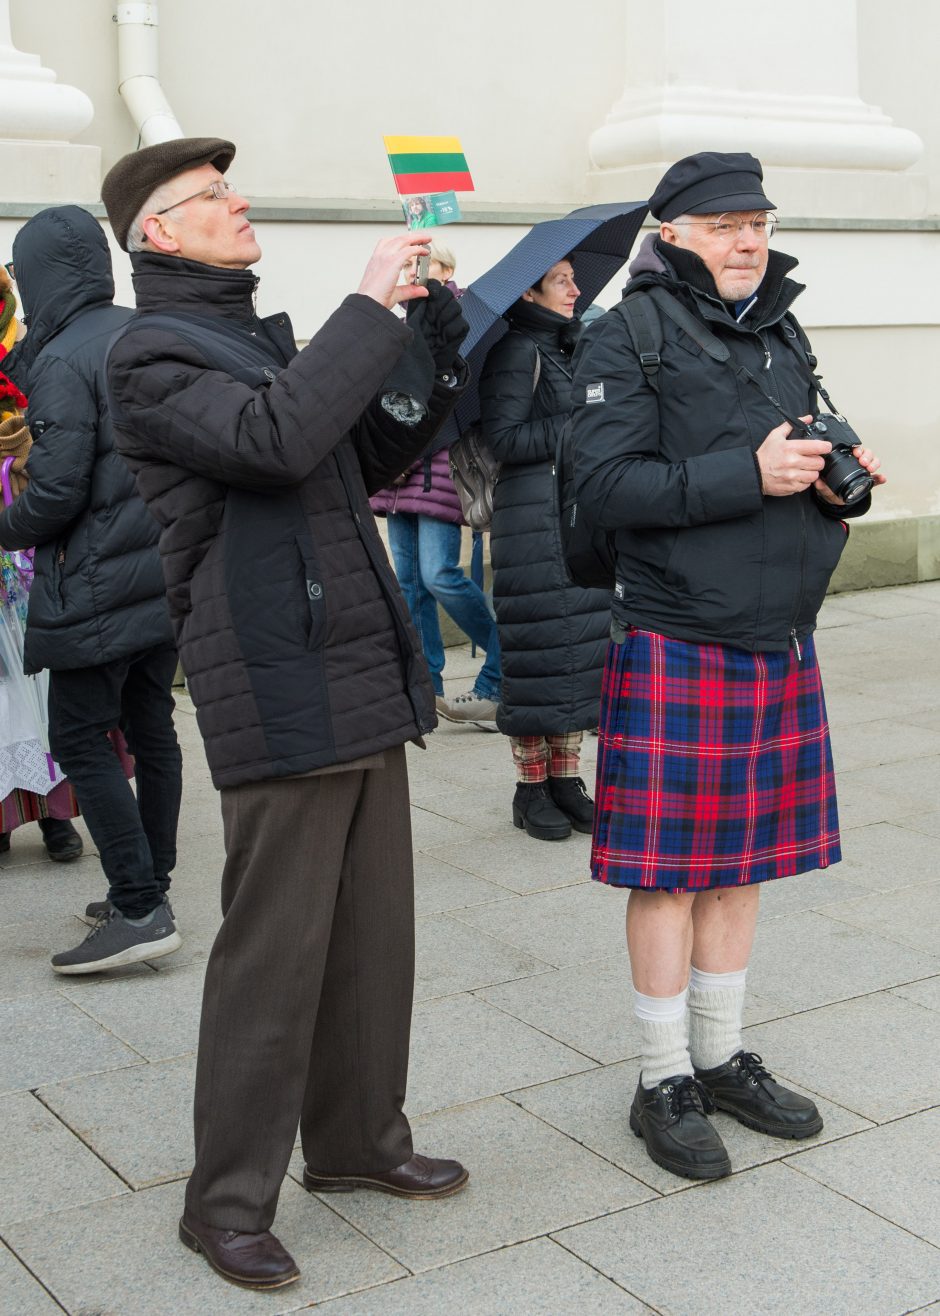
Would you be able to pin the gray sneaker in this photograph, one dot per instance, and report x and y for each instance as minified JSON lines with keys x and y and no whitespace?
{"x":470,"y":708}
{"x":96,"y":909}
{"x":114,"y":941}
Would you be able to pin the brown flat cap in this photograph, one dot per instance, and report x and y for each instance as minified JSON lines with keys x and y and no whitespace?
{"x":130,"y":182}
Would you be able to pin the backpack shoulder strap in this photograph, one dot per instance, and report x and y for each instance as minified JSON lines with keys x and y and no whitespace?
{"x":646,"y":333}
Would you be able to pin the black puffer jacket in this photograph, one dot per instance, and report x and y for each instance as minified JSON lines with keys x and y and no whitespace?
{"x":295,"y":639}
{"x":552,"y":634}
{"x":98,"y":591}
{"x":702,"y":553}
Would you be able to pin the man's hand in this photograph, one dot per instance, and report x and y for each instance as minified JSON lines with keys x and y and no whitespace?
{"x":788,"y":466}
{"x":440,"y":321}
{"x":380,"y":280}
{"x":866,"y":458}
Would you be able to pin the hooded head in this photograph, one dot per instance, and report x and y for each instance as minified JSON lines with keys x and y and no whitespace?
{"x":63,"y":268}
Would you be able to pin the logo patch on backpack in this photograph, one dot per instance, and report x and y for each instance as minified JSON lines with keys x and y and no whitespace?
{"x":594,"y":393}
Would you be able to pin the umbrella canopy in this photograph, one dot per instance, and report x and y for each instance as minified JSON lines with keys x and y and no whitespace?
{"x":597,"y":240}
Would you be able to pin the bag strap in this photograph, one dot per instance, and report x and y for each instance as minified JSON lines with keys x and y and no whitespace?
{"x":646,"y":331}
{"x":5,"y":480}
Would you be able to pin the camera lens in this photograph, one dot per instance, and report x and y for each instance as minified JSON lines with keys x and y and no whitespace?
{"x":845,"y":475}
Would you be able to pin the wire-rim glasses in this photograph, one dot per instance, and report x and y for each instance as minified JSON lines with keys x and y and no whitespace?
{"x":726,"y":227}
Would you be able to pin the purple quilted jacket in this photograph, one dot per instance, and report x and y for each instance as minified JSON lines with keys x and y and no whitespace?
{"x":427,"y":490}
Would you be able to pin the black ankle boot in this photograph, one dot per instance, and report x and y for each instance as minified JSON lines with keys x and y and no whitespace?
{"x":570,"y":795}
{"x":532,"y":808}
{"x":62,"y":841}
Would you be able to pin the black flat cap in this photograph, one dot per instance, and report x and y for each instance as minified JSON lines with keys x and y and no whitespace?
{"x":130,"y":182}
{"x":710,"y":183}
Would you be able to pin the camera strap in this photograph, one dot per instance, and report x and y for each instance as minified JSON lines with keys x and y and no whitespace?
{"x":718,"y":351}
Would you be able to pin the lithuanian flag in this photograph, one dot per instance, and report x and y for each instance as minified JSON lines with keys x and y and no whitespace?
{"x":428,"y":164}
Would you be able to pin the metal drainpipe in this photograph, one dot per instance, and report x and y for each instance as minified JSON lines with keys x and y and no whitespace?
{"x":138,"y":74}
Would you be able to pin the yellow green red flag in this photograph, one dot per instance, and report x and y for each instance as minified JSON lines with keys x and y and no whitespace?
{"x":422,"y":165}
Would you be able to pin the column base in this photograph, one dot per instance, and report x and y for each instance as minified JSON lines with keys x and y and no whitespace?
{"x":56,"y":172}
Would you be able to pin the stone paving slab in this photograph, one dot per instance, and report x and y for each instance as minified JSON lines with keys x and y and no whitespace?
{"x":886,"y":856}
{"x":20,"y":1294}
{"x":592,"y":1109}
{"x":440,"y":887}
{"x":518,"y":863}
{"x":912,"y":918}
{"x":46,"y":890}
{"x":926,"y":993}
{"x":806,"y":891}
{"x":526,"y":1179}
{"x":878,"y":1168}
{"x":139,"y":1121}
{"x":453,"y":958}
{"x":531,"y":1279}
{"x":813,"y":959}
{"x":463,"y":1049}
{"x":124,"y":1258}
{"x":560,"y":927}
{"x":47,"y":1038}
{"x":869,"y":744}
{"x":777,"y":1244}
{"x":43,"y":1166}
{"x":878,"y":1055}
{"x":126,"y":1008}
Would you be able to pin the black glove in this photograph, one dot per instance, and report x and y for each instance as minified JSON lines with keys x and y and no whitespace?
{"x":438,"y":319}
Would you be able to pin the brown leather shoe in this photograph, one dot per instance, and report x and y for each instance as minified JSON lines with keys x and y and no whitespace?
{"x":421,"y":1177}
{"x":255,"y":1261}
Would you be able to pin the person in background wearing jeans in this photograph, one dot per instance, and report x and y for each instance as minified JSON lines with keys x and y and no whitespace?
{"x":98,"y":618}
{"x":423,"y":521}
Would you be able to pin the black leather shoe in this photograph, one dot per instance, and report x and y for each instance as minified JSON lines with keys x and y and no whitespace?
{"x":255,"y":1261}
{"x":61,"y":840}
{"x":744,"y":1088}
{"x":571,"y":796}
{"x":421,"y":1177}
{"x":534,"y":809}
{"x":672,"y":1120}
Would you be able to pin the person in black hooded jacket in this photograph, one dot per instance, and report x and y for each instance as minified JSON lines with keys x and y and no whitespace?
{"x":552,"y":634}
{"x":98,"y":618}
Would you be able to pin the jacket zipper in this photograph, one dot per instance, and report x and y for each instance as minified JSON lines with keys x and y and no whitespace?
{"x":794,"y":638}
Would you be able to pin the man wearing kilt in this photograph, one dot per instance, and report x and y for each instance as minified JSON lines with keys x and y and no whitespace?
{"x":714,"y":769}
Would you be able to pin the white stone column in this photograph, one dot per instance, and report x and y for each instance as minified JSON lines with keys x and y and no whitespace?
{"x":38,"y":116}
{"x":780,"y":81}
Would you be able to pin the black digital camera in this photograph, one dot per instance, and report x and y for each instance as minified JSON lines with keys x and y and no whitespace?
{"x":842,"y":471}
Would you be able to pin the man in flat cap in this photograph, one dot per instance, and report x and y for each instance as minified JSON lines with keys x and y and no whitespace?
{"x":257,"y":461}
{"x":714,"y":770}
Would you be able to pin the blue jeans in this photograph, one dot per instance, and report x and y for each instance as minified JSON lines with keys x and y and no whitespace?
{"x":427,"y":562}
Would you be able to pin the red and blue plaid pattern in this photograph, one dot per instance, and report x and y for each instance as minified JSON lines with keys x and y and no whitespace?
{"x":714,"y":767}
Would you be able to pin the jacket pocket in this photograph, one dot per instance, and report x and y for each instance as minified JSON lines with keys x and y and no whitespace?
{"x":315,"y":610}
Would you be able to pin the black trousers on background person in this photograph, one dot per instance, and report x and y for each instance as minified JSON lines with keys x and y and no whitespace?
{"x":135,"y":835}
{"x":306,"y":1011}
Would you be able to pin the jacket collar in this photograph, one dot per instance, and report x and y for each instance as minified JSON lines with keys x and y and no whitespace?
{"x":171,"y":283}
{"x":548,"y":327}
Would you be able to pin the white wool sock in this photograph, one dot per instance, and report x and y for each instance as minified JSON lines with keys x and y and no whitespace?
{"x":716,"y":1006}
{"x":664,"y":1036}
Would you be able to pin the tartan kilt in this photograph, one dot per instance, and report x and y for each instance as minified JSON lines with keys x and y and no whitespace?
{"x":714,"y":767}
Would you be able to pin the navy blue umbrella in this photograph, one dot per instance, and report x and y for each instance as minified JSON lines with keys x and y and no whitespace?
{"x":598,"y":241}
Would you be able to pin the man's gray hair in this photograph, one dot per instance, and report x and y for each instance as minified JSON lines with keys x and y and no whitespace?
{"x":161,"y":198}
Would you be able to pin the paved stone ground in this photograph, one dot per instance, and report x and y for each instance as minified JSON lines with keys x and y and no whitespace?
{"x":524,"y":1061}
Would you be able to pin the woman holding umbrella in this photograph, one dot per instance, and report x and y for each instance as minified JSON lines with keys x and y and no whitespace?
{"x":552,"y":634}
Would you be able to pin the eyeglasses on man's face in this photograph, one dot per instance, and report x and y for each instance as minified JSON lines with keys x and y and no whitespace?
{"x":216,"y":191}
{"x":726,"y":227}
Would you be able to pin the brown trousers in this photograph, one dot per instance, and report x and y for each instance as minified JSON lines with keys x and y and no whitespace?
{"x":306,"y":1011}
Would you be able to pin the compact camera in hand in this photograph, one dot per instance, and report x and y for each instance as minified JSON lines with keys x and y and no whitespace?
{"x":842,"y":471}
